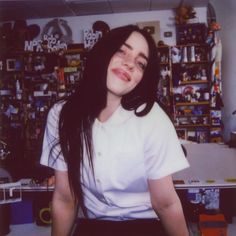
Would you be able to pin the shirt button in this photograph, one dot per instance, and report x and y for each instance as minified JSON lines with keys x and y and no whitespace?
{"x":98,"y":180}
{"x":99,"y":153}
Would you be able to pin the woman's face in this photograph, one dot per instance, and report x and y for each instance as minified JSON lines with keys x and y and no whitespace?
{"x":127,"y":65}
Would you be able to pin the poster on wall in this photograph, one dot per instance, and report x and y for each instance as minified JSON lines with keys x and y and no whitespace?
{"x":59,"y":29}
{"x":153,"y":27}
{"x":55,"y":36}
{"x":91,"y":37}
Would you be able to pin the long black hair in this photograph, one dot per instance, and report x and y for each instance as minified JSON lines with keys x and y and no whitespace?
{"x":81,"y":108}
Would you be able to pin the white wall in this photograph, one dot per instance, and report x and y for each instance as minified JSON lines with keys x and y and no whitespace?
{"x":166,"y":18}
{"x":225,"y":13}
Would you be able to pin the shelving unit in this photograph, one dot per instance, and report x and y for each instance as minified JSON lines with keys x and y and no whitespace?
{"x":30,"y":83}
{"x":164,"y":91}
{"x":191,"y":92}
{"x":186,"y":85}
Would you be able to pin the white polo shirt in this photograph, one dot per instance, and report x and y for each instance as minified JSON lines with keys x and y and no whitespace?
{"x":128,"y":150}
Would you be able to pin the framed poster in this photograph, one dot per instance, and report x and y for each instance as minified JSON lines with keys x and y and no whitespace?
{"x":11,"y":64}
{"x":202,"y":136}
{"x":181,"y":133}
{"x":153,"y":27}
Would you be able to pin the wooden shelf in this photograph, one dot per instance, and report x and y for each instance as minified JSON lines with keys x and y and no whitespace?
{"x":164,"y":63}
{"x":193,"y":62}
{"x":193,"y":115}
{"x":192,"y":44}
{"x":194,"y":82}
{"x":192,"y":103}
{"x":75,"y":51}
{"x":193,"y":126}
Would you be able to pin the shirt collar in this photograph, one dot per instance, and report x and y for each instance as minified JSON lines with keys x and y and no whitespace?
{"x":119,"y":116}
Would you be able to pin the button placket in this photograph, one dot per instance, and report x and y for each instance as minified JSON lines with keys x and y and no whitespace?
{"x":100,"y":140}
{"x":100,"y":149}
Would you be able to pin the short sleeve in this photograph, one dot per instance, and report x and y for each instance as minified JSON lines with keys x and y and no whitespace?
{"x":163,"y":152}
{"x":52,"y":157}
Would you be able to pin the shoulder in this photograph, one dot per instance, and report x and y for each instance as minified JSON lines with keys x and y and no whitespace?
{"x":157,"y":110}
{"x":55,"y":110}
{"x":156,"y":124}
{"x":157,"y":116}
{"x":54,"y":114}
{"x":56,"y":107}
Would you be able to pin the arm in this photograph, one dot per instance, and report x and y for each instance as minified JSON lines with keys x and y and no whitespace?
{"x":64,"y":206}
{"x":167,"y":205}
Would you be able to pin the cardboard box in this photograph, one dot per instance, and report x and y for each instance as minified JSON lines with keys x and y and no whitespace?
{"x":212,"y":225}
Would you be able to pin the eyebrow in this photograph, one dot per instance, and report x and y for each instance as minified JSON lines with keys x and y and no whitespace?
{"x":140,"y":54}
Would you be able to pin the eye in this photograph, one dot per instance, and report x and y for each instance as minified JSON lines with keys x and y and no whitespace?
{"x":121,"y":51}
{"x":142,"y":65}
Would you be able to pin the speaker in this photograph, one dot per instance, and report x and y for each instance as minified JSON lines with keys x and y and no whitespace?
{"x":5,"y":219}
{"x":42,"y":208}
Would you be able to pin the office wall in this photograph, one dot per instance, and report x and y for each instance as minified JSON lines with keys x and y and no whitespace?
{"x":165,"y":17}
{"x":225,"y":12}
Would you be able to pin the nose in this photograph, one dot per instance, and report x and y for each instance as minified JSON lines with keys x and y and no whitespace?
{"x":129,"y":62}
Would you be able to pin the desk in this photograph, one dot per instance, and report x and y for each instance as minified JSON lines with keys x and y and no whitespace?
{"x":211,"y":165}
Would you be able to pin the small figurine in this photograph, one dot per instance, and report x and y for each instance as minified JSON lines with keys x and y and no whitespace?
{"x":183,"y":14}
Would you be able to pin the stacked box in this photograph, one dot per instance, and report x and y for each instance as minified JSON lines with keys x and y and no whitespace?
{"x":212,"y":225}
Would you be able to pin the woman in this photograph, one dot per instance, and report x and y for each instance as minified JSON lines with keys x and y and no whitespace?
{"x":113,"y":148}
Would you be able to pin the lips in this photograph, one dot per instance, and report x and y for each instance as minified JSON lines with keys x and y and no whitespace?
{"x":123,"y":75}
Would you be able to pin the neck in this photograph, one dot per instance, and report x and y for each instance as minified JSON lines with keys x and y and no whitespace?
{"x":113,"y":102}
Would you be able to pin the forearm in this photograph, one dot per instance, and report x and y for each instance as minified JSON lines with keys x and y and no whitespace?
{"x":172,"y":218}
{"x":63,"y":215}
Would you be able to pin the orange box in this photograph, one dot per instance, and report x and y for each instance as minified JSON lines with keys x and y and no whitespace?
{"x":212,"y":225}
